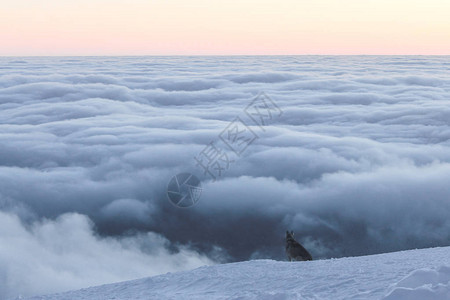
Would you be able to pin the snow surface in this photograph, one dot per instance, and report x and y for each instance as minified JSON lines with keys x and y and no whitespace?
{"x":415,"y":274}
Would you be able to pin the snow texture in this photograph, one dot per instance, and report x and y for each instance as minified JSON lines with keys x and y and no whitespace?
{"x":423,"y":284}
{"x":413,"y":275}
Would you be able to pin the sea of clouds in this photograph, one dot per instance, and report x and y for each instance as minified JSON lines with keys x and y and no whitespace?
{"x":357,"y":163}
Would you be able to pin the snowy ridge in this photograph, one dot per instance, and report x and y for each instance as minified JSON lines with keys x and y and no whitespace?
{"x":423,"y":284}
{"x":413,"y":274}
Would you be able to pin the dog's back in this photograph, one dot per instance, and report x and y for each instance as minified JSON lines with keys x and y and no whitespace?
{"x":294,"y":250}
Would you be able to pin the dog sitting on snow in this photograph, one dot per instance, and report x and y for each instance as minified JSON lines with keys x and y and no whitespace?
{"x":294,"y":250}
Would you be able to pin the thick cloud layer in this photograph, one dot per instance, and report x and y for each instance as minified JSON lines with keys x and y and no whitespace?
{"x":357,"y":163}
{"x":66,"y":253}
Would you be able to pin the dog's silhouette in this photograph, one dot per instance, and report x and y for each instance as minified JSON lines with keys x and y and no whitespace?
{"x":295,"y":251}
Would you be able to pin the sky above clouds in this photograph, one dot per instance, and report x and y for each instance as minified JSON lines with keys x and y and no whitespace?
{"x":358,"y":162}
{"x":204,"y":27}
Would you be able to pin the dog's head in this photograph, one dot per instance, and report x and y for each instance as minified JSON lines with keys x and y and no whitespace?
{"x":289,"y":235}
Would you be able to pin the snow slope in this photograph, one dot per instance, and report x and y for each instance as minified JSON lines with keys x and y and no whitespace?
{"x":415,"y":274}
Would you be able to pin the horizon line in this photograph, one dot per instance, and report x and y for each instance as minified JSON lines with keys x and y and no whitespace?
{"x":215,"y":55}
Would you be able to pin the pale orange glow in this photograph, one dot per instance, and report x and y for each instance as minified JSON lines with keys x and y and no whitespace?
{"x":158,"y":27}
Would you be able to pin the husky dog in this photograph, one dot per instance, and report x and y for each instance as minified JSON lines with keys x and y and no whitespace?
{"x":295,"y":251}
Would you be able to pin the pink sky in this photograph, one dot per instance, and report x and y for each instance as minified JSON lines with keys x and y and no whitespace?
{"x":176,"y":27}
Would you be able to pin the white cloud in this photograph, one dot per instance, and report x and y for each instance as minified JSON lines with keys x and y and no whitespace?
{"x":356,"y":164}
{"x":66,"y":253}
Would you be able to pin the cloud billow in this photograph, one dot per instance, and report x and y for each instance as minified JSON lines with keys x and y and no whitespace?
{"x":358,"y":163}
